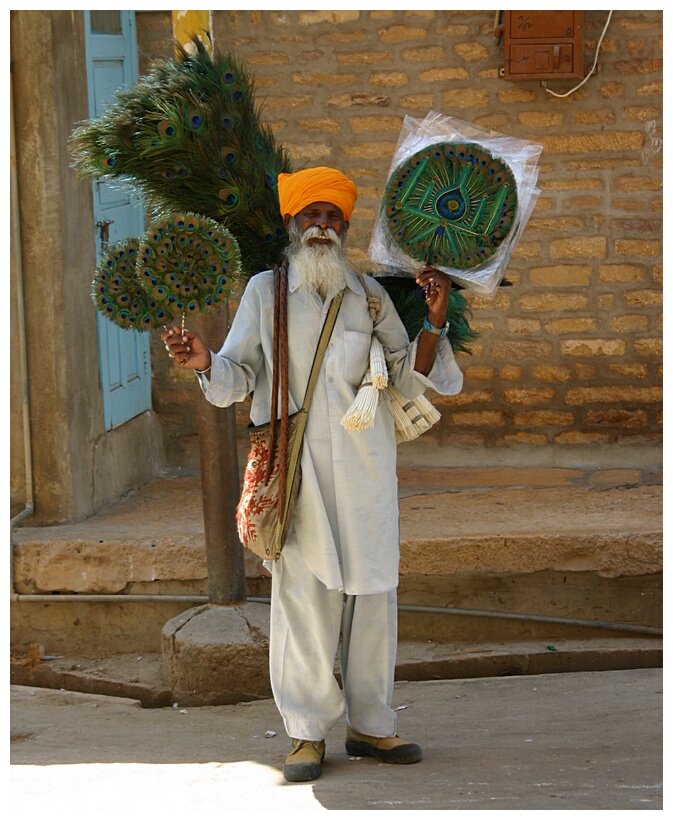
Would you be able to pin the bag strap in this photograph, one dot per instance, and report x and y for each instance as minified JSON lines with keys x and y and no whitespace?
{"x":287,"y":466}
{"x":280,"y":365}
{"x":323,"y":341}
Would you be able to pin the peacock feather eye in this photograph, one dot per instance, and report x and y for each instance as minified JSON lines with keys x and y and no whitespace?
{"x":194,"y":120}
{"x":229,"y":197}
{"x":228,"y":76}
{"x":227,"y":122}
{"x":167,"y":130}
{"x":229,"y":155}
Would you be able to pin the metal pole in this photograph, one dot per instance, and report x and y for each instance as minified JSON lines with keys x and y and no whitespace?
{"x":216,"y":426}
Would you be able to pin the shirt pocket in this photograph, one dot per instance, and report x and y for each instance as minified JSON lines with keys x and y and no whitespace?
{"x":356,"y":355}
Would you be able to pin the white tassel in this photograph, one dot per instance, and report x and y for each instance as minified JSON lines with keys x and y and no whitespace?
{"x":377,"y":364}
{"x":361,"y":414}
{"x":404,"y":429}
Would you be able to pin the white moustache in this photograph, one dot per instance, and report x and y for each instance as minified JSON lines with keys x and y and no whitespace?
{"x":320,"y":233}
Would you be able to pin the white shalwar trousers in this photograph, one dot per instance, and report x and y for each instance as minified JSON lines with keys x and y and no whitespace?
{"x":306,"y":622}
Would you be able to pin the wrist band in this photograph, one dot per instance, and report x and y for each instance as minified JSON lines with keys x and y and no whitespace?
{"x":436,"y":331}
{"x":203,"y":371}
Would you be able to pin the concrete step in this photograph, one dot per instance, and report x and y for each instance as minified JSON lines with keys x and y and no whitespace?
{"x":572,"y":543}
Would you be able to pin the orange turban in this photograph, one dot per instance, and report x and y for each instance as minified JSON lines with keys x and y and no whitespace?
{"x":296,"y":191}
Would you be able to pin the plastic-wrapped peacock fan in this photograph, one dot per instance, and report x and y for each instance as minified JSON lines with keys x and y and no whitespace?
{"x":188,"y":137}
{"x":185,"y":264}
{"x":451,"y":205}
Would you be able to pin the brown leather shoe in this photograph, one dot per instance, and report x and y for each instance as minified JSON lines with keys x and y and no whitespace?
{"x":386,"y":749}
{"x":304,"y":761}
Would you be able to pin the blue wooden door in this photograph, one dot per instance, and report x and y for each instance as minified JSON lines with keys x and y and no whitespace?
{"x":124,"y":355}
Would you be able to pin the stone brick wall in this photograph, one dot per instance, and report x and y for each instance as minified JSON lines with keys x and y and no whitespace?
{"x":571,"y":354}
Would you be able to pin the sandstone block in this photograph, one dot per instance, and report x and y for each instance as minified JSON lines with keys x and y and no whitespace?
{"x":649,"y":347}
{"x":214,"y":655}
{"x":593,"y":143}
{"x":541,"y":418}
{"x":389,"y":79}
{"x":552,"y":302}
{"x":561,"y":275}
{"x":423,"y":55}
{"x":629,"y":324}
{"x":398,"y":34}
{"x":312,"y":18}
{"x":365,"y":58}
{"x":580,"y":437}
{"x":620,"y":273}
{"x":472,"y":52}
{"x":643,"y":298}
{"x":570,"y":325}
{"x":592,"y":246}
{"x":606,"y":394}
{"x":529,"y":395}
{"x":551,"y":373}
{"x":438,"y":75}
{"x":593,"y":347}
{"x":485,"y":418}
{"x":522,"y":350}
{"x":466,"y":98}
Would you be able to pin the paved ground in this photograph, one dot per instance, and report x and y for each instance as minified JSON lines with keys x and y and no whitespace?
{"x":574,"y":741}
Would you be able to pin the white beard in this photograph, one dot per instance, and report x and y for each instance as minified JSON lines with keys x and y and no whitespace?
{"x":319,"y":267}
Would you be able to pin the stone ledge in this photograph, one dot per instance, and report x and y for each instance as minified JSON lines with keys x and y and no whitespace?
{"x":142,"y":543}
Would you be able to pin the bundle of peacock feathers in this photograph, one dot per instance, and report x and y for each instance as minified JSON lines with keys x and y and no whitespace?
{"x":188,"y":138}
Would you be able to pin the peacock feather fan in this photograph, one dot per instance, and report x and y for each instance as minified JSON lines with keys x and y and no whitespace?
{"x":120,"y":295}
{"x":188,"y":263}
{"x":188,"y":137}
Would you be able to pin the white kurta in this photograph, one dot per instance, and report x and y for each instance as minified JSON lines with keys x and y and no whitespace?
{"x":346,"y":520}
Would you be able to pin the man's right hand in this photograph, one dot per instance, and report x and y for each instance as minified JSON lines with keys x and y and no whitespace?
{"x":186,"y":348}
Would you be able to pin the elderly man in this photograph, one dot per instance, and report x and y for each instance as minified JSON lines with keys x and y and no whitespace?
{"x":338,"y":573}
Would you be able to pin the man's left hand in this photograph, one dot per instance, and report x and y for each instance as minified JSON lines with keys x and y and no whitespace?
{"x":437,"y":287}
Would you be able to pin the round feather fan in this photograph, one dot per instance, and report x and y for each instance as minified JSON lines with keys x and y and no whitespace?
{"x":451,"y":205}
{"x":119,"y":294}
{"x":188,"y":263}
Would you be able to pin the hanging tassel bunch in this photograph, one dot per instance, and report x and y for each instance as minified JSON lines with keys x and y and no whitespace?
{"x":361,"y":414}
{"x":412,"y":416}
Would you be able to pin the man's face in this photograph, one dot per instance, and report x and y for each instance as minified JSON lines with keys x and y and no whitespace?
{"x":319,"y":215}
